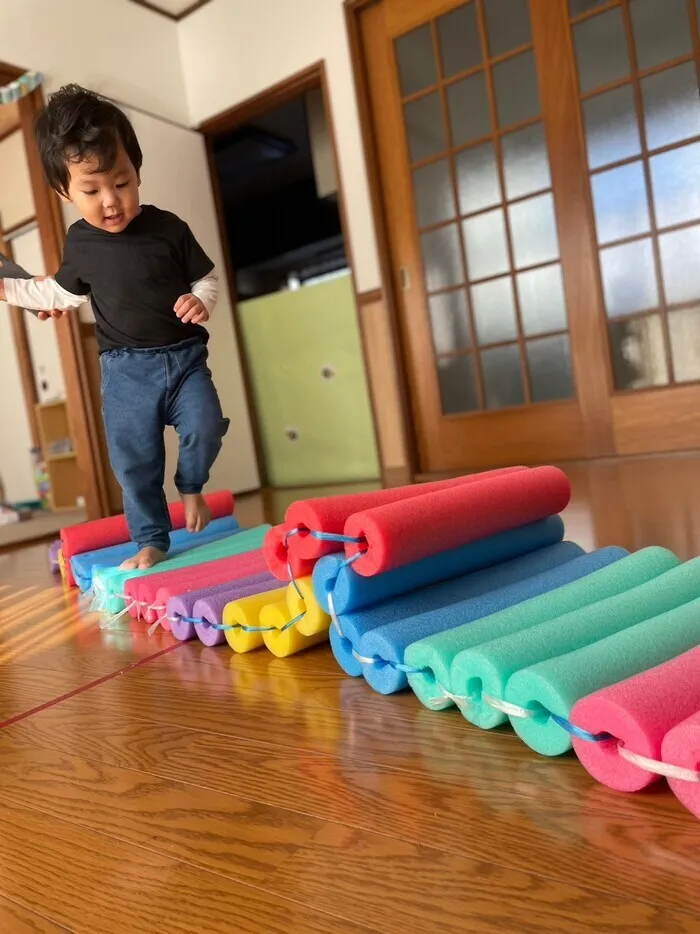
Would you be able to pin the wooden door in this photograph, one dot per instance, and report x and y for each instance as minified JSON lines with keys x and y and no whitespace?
{"x":637,"y":64}
{"x":517,"y":182}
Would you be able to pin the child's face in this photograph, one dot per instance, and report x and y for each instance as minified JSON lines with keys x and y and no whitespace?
{"x":108,"y":200}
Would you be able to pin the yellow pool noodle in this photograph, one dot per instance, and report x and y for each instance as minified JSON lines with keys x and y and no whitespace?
{"x":62,"y":568}
{"x":314,"y":619}
{"x":284,"y":642}
{"x":246,"y":612}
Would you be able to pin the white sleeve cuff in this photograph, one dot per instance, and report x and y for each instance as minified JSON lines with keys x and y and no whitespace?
{"x":40,"y":295}
{"x":207,"y":290}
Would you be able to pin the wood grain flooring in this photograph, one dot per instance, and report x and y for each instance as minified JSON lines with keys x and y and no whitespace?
{"x":148,"y":788}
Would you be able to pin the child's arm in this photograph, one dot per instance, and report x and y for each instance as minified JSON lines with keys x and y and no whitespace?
{"x":42,"y":294}
{"x":197,"y":305}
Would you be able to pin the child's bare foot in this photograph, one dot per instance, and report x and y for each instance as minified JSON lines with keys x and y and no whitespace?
{"x":197,"y":514}
{"x":145,"y":559}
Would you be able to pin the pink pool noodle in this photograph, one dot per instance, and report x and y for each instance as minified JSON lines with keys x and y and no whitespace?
{"x":186,"y":604}
{"x":211,"y":609}
{"x":639,"y":711}
{"x":330,"y":513}
{"x":146,"y":591}
{"x":402,"y":532}
{"x":279,"y":561}
{"x":681,"y":747}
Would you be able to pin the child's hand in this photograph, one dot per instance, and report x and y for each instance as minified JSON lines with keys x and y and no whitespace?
{"x":191,"y":310}
{"x":56,"y":313}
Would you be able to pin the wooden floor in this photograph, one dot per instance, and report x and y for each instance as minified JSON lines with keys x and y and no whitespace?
{"x":153,"y":788}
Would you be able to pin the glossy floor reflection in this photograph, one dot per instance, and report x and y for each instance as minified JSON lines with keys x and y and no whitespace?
{"x":150,"y":788}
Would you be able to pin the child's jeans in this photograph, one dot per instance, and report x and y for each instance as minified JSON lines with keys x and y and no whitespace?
{"x":144,"y":390}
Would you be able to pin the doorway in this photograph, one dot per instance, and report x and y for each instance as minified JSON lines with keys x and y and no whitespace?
{"x":281,"y":219}
{"x":49,"y":357}
{"x":538,"y":180}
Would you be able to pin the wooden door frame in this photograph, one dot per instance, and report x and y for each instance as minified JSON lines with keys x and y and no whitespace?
{"x":49,"y":220}
{"x":389,"y":286}
{"x":309,"y":79}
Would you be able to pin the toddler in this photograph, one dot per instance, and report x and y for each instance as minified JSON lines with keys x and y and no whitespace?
{"x":152,"y":287}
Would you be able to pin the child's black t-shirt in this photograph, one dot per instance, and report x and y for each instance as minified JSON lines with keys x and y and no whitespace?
{"x":135,"y":277}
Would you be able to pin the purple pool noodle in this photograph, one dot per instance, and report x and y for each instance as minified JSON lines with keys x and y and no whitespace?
{"x":211,"y":608}
{"x":53,"y":556}
{"x":184,"y":605}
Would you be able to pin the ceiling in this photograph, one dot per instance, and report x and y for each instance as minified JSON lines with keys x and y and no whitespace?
{"x":173,"y":9}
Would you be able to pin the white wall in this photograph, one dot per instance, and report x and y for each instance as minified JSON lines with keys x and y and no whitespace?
{"x":46,"y":359}
{"x":120,"y":49}
{"x":15,"y":457}
{"x":234,"y":49}
{"x":16,"y":199}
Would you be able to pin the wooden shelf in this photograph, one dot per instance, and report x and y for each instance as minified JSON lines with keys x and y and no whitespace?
{"x":64,"y":476}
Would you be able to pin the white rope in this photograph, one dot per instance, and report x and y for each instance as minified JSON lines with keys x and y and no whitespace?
{"x":658,"y":768}
{"x":459,"y":699}
{"x":113,"y":617}
{"x":334,"y":619}
{"x":152,"y":628}
{"x":510,"y":710}
{"x":363,"y":660}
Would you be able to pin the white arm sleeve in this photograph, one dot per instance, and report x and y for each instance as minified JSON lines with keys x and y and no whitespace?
{"x":40,"y":295}
{"x":207,"y":290}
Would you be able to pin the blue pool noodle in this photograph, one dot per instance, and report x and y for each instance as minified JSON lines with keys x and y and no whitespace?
{"x":180,"y":540}
{"x":351,"y":591}
{"x":440,"y":599}
{"x":389,"y":643}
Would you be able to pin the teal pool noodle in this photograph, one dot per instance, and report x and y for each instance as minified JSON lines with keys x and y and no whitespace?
{"x":602,"y":574}
{"x":506,"y":585}
{"x":440,"y":599}
{"x":352,"y":591}
{"x":488,"y":667}
{"x":557,"y":684}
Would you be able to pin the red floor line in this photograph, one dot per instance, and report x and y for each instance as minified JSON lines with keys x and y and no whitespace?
{"x":87,"y":687}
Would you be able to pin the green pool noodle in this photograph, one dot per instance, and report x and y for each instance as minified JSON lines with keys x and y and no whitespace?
{"x":434,"y":655}
{"x":109,"y":583}
{"x":557,"y":684}
{"x":488,"y":667}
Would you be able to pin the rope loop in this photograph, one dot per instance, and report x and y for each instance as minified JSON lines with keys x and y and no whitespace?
{"x":658,"y":768}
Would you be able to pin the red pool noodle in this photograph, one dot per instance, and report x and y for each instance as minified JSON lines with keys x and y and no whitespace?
{"x":156,"y":589}
{"x":276,"y":556}
{"x":102,"y":533}
{"x":330,"y":513}
{"x":681,"y":746}
{"x":640,"y":711}
{"x":402,"y":532}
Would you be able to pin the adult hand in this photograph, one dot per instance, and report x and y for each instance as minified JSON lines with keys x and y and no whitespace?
{"x":56,"y":313}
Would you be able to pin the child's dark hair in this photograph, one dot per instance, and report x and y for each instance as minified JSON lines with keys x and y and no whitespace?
{"x":79,"y":124}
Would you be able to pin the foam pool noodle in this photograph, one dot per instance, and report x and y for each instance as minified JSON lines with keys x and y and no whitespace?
{"x":555,"y":685}
{"x":491,"y":589}
{"x":638,"y":713}
{"x":594,"y":577}
{"x":351,"y":591}
{"x":109,"y":582}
